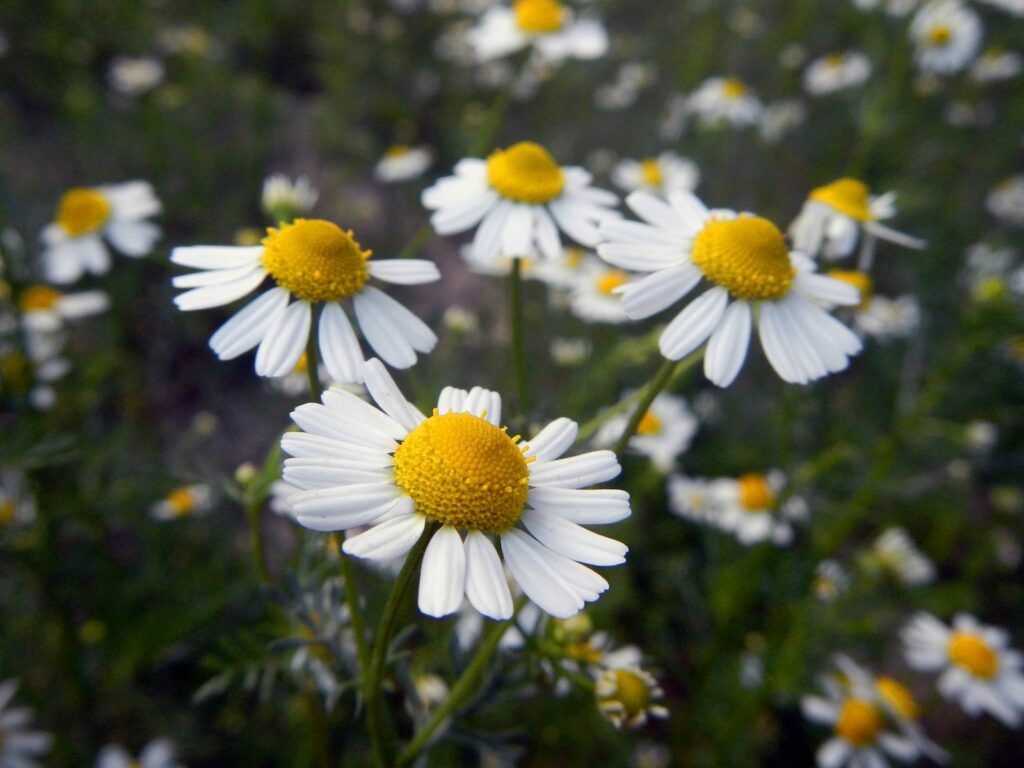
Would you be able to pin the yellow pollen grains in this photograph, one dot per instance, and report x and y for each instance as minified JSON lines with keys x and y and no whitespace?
{"x":610,"y":280}
{"x":755,"y":493}
{"x":461,"y":470}
{"x":649,"y":424}
{"x":972,"y":653}
{"x":860,"y":280}
{"x":525,"y":172}
{"x":939,"y":35}
{"x":632,"y":692}
{"x":847,"y":196}
{"x":859,"y":722}
{"x":651,"y":172}
{"x":82,"y":210}
{"x":316,"y":260}
{"x":746,"y":255}
{"x":39,"y":298}
{"x":896,"y":695}
{"x":733,"y":88}
{"x":539,"y":17}
{"x":180,"y":501}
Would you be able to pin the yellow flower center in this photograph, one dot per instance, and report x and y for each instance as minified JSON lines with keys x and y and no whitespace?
{"x":396,"y":150}
{"x":651,"y":172}
{"x":859,"y":722}
{"x":835,"y":61}
{"x":733,"y":88}
{"x":611,"y":280}
{"x":940,"y":35}
{"x":7,"y":510}
{"x":538,"y":17}
{"x":847,"y":196}
{"x":180,"y":501}
{"x":525,"y":172}
{"x":584,"y":652}
{"x":755,"y":493}
{"x":973,"y":654}
{"x":463,"y":471}
{"x":82,"y":210}
{"x":316,"y":260}
{"x":898,"y":697}
{"x":632,"y":692}
{"x":573,"y":257}
{"x":649,"y":425}
{"x":302,"y":366}
{"x":860,"y":280}
{"x":748,"y":256}
{"x":39,"y":298}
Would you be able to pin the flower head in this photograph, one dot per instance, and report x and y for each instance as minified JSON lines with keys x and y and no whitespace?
{"x":946,"y":36}
{"x":284,"y":199}
{"x":547,"y":26}
{"x":724,"y":101}
{"x":157,"y":754}
{"x":401,"y":163}
{"x":837,"y":72}
{"x":184,"y":501}
{"x":665,"y":173}
{"x":627,"y":696}
{"x":665,"y":431}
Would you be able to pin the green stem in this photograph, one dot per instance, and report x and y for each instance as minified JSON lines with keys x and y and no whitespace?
{"x":313,"y":356}
{"x":416,"y":242}
{"x":515,"y":300}
{"x":461,"y":691}
{"x":254,"y":514}
{"x":669,"y":370}
{"x":355,"y":611}
{"x":375,"y":714}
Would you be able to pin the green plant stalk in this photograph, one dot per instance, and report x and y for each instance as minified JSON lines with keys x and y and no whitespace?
{"x":515,"y":300}
{"x":461,"y":691}
{"x":313,"y":356}
{"x":253,"y":513}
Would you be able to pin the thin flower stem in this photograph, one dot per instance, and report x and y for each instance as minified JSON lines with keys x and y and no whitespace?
{"x":355,"y":610}
{"x":461,"y":691}
{"x":254,"y":514}
{"x":668,"y":371}
{"x":515,"y":300}
{"x":313,"y":357}
{"x":376,"y":717}
{"x":417,"y":241}
{"x":866,"y":257}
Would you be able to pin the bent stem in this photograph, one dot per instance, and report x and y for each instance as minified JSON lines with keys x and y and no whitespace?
{"x":515,"y":300}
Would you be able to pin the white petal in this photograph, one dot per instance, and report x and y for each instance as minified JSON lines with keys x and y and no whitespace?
{"x":693,"y":325}
{"x":486,"y":585}
{"x":833,"y":753}
{"x":356,"y":504}
{"x":727,"y":348}
{"x":487,"y":241}
{"x":554,"y":440}
{"x":517,"y":234}
{"x":827,"y":290}
{"x":576,"y":221}
{"x":334,"y":423}
{"x":307,"y":446}
{"x":395,"y":333}
{"x":217,"y":256}
{"x":220,"y":294}
{"x":404,"y":271}
{"x":443,"y":574}
{"x":385,"y":393}
{"x":655,"y":211}
{"x":591,"y":507}
{"x":355,"y":408}
{"x":480,"y":401}
{"x":247,"y":327}
{"x":451,"y":400}
{"x":307,"y":474}
{"x":132,"y":238}
{"x":819,"y":710}
{"x":573,"y":541}
{"x":285,"y":341}
{"x":387,"y":540}
{"x":658,"y":290}
{"x":776,"y":348}
{"x":464,"y":214}
{"x":339,"y":346}
{"x":575,"y":471}
{"x":527,"y":561}
{"x":210,"y":277}
{"x":546,"y":235}
{"x":690,"y":209}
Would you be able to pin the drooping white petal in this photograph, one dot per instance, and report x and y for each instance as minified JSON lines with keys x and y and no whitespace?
{"x":572,"y":540}
{"x":727,"y":348}
{"x":443,"y":573}
{"x":132,"y":238}
{"x":285,"y":341}
{"x":689,"y":329}
{"x":486,"y":586}
{"x":658,"y":290}
{"x":337,"y":509}
{"x":595,"y":506}
{"x":334,"y":423}
{"x":554,"y":440}
{"x":247,"y":327}
{"x":404,"y":271}
{"x":776,"y":346}
{"x":575,"y":471}
{"x":527,"y":562}
{"x":516,"y":236}
{"x":385,"y":393}
{"x":395,"y":333}
{"x":387,"y":540}
{"x":546,"y":235}
{"x":339,"y":347}
{"x":487,"y":240}
{"x":220,"y":294}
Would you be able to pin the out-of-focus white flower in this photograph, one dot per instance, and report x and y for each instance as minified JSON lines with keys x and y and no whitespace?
{"x":157,"y":754}
{"x":45,"y":309}
{"x":546,"y":25}
{"x":20,"y":747}
{"x":995,"y":65}
{"x":185,"y":39}
{"x":459,"y":320}
{"x":677,"y":110}
{"x":184,"y":501}
{"x":897,"y":8}
{"x":889,"y":318}
{"x":401,"y":162}
{"x":284,"y":199}
{"x":781,"y":118}
{"x":691,"y":498}
{"x":895,"y":553}
{"x":628,"y":696}
{"x":135,"y":75}
{"x":749,"y":507}
{"x":665,"y":431}
{"x":17,"y":505}
{"x":981,"y":435}
{"x":831,"y":580}
{"x":946,"y":35}
{"x":594,"y":296}
{"x":622,"y":92}
{"x":1005,"y":201}
{"x":1015,"y":7}
{"x":663,"y":174}
{"x":837,"y":72}
{"x":570,"y":352}
{"x":721,"y":101}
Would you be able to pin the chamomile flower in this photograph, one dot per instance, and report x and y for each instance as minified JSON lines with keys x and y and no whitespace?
{"x":899,"y":703}
{"x":996,"y":65}
{"x":45,"y":309}
{"x":184,"y":501}
{"x":691,"y":498}
{"x":746,"y":259}
{"x":831,"y":580}
{"x":1015,"y":7}
{"x":396,"y":470}
{"x":665,"y":173}
{"x":401,"y":163}
{"x":1005,"y":200}
{"x":837,"y":72}
{"x":878,"y":316}
{"x":895,"y":553}
{"x":284,"y":199}
{"x":977,"y":667}
{"x":548,"y":26}
{"x":627,"y":696}
{"x":88,"y":216}
{"x":135,"y":75}
{"x":17,"y":506}
{"x":946,"y":35}
{"x":665,"y":431}
{"x":720,"y":101}
{"x":157,"y":754}
{"x":320,"y":264}
{"x":20,"y":747}
{"x":520,"y":198}
{"x":750,"y":507}
{"x":897,"y":8}
{"x":836,"y":215}
{"x":593,"y":298}
{"x":780,"y":118}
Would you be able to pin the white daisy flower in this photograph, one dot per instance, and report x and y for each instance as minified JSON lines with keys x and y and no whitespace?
{"x":396,"y":469}
{"x":781,"y":118}
{"x":159,"y":753}
{"x":978,"y":668}
{"x":899,"y":703}
{"x":564,"y":272}
{"x":546,"y":25}
{"x":722,"y":101}
{"x":749,"y":507}
{"x":691,"y":498}
{"x":895,"y":553}
{"x":283,"y":199}
{"x":946,"y":35}
{"x":570,"y":352}
{"x":665,"y":173}
{"x":520,"y":197}
{"x":837,"y":72}
{"x":318,"y":263}
{"x":833,"y":217}
{"x":594,"y":298}
{"x":45,"y":309}
{"x":135,"y":75}
{"x":20,"y":747}
{"x":627,"y":696}
{"x":831,"y":579}
{"x":895,"y":8}
{"x":184,"y":501}
{"x":996,"y":65}
{"x":86,"y":216}
{"x":877,"y":316}
{"x":17,"y":506}
{"x":665,"y":431}
{"x":401,"y":163}
{"x":1005,"y":201}
{"x":746,"y":259}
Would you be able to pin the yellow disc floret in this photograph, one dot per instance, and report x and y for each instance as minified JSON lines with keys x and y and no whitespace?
{"x":733,"y":88}
{"x":860,"y":280}
{"x":939,"y":35}
{"x":746,"y":255}
{"x":847,"y":196}
{"x":82,"y":210}
{"x":755,"y":493}
{"x":539,"y":17}
{"x":39,"y":298}
{"x":896,"y":695}
{"x":651,"y":172}
{"x":859,"y":722}
{"x":181,"y":501}
{"x":525,"y":172}
{"x":972,"y":653}
{"x":396,"y":150}
{"x":316,"y":260}
{"x":610,"y":280}
{"x":632,"y":691}
{"x":649,"y":424}
{"x":463,"y":471}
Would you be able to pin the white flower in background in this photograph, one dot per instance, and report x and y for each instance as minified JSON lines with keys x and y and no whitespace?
{"x":325,"y":647}
{"x":1015,"y":7}
{"x":34,"y":372}
{"x":396,"y":470}
{"x":837,"y":72}
{"x":750,"y":508}
{"x":946,"y":35}
{"x":780,"y":118}
{"x":831,"y":580}
{"x":184,"y":501}
{"x":45,"y":309}
{"x":665,"y":173}
{"x":894,"y":553}
{"x":135,"y":75}
{"x":86,"y":216}
{"x":157,"y":754}
{"x":996,"y":65}
{"x":518,"y":199}
{"x":877,"y":316}
{"x":594,"y":299}
{"x":677,"y":112}
{"x":722,"y":101}
{"x":977,"y":667}
{"x":280,"y":494}
{"x":981,"y":436}
{"x":470,"y":626}
{"x":988,"y":270}
{"x":570,"y":352}
{"x":622,"y":92}
{"x":627,"y":696}
{"x":896,"y":8}
{"x":20,"y":747}
{"x":318,"y":263}
{"x":185,"y":39}
{"x":562,"y":273}
{"x":752,"y":274}
{"x":691,"y":498}
{"x":401,"y":162}
{"x":460,"y":320}
{"x":900,"y":705}
{"x":546,"y":25}
{"x":17,"y":506}
{"x":1005,"y":201}
{"x":284,"y":199}
{"x":665,"y":431}
{"x":832,"y":220}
